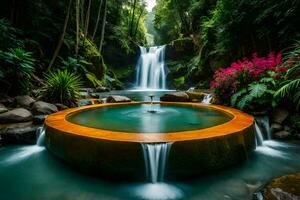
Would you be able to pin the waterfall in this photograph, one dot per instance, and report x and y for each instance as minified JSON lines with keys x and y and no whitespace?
{"x":40,"y":133}
{"x":259,"y":139}
{"x":155,"y":156}
{"x":207,"y":98}
{"x":151,"y":68}
{"x":262,"y":130}
{"x":264,"y":123}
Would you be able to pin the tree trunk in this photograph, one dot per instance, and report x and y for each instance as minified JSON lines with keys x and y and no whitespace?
{"x":138,"y":22}
{"x":132,"y":18}
{"x":82,"y":4}
{"x":98,"y":20}
{"x":103,"y":26}
{"x":87,"y":19}
{"x":62,"y":36}
{"x":77,"y":26}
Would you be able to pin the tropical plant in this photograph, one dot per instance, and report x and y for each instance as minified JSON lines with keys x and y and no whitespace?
{"x":256,"y":96}
{"x":17,"y":69}
{"x":228,"y":81}
{"x":290,"y":88}
{"x":61,"y":87}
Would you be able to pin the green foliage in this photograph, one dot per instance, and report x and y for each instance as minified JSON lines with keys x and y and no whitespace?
{"x":8,"y":35}
{"x":93,"y":79}
{"x":257,"y":95}
{"x":17,"y":67}
{"x":290,"y":88}
{"x":61,"y":87}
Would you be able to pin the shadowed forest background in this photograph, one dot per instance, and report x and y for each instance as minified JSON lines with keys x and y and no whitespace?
{"x":202,"y":36}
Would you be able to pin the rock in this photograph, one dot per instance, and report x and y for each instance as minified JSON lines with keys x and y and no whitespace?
{"x":175,"y":97}
{"x":25,"y":135}
{"x":24,"y":101}
{"x":275,"y":127}
{"x":117,"y":99}
{"x":39,"y":119}
{"x":282,"y":188}
{"x":279,"y":115}
{"x":195,"y":96}
{"x":61,"y":106}
{"x":16,"y":125}
{"x":43,"y":108}
{"x":16,"y":115}
{"x":7,"y":101}
{"x":96,"y":96}
{"x":87,"y":90}
{"x":287,"y":128}
{"x":85,"y":102}
{"x":3,"y":109}
{"x":282,"y":135}
{"x":102,"y":89}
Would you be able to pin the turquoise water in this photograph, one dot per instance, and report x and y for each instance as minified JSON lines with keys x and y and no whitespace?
{"x":137,"y":118}
{"x":31,"y":173}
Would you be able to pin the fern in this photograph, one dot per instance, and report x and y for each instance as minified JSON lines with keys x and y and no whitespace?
{"x":244,"y":101}
{"x":290,"y":90}
{"x":237,"y":95}
{"x":257,"y":89}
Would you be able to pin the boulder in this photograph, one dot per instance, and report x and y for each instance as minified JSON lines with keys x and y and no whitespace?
{"x":195,"y":96}
{"x":287,"y":128}
{"x":275,"y":127}
{"x":117,"y":99}
{"x":43,"y":108}
{"x":101,"y":89}
{"x":84,"y":102}
{"x":61,"y":106}
{"x":25,"y":135}
{"x":24,"y":101}
{"x":6,"y":100}
{"x":282,"y":135}
{"x":39,"y":119}
{"x":15,"y":116}
{"x":282,"y":188}
{"x":94,"y":95}
{"x":175,"y":97}
{"x":3,"y":109}
{"x":279,"y":115}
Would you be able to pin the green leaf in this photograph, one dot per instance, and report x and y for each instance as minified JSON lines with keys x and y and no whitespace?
{"x":237,"y":95}
{"x":257,"y":89}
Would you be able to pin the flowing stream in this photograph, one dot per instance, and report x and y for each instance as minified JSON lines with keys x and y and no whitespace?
{"x":151,"y":73}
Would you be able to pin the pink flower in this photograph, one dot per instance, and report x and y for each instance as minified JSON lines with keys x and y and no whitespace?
{"x":228,"y":80}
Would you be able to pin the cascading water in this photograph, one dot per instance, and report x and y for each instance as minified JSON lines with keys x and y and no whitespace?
{"x":207,"y":99}
{"x":27,"y":151}
{"x":264,"y":123}
{"x":259,"y":136}
{"x":262,"y":129}
{"x":151,"y":73}
{"x":156,"y":155}
{"x":40,"y":133}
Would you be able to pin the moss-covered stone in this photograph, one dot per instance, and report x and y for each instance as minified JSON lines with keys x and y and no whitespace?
{"x":284,"y":188}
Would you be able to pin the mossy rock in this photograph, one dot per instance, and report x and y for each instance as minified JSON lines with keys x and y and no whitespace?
{"x":196,"y":95}
{"x":93,"y":56}
{"x":285,"y":188}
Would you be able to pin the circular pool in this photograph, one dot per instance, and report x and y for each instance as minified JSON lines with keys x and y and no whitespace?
{"x":106,"y":139}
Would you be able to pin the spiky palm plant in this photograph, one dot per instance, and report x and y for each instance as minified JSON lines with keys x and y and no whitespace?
{"x":290,"y":88}
{"x":61,"y":87}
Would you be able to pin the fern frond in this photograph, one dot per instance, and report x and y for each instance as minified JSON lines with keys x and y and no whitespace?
{"x":237,"y":95}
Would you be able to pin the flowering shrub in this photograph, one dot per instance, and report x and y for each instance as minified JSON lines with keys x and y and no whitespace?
{"x":227,"y":81}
